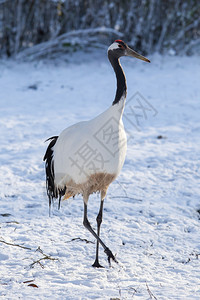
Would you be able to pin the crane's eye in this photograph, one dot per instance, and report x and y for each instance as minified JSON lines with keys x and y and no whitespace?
{"x":120,"y":46}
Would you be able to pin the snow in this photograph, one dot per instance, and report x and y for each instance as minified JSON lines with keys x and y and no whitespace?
{"x":150,"y":218}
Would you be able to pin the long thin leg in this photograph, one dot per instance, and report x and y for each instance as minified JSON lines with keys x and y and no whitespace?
{"x":99,"y":221}
{"x":87,"y":225}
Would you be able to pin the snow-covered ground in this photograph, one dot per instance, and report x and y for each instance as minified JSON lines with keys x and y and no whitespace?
{"x":150,"y":218}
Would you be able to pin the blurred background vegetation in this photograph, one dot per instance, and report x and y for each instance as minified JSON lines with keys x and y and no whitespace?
{"x":45,"y":27}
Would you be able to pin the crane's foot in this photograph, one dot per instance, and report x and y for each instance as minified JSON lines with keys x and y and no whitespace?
{"x":96,"y":264}
{"x":110,"y":256}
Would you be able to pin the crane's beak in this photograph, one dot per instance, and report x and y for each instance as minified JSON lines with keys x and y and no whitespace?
{"x":132,"y":53}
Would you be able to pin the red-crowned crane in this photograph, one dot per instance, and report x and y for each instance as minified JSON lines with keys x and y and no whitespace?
{"x":86,"y":157}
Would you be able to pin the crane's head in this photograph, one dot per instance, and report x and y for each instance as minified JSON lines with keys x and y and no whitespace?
{"x":119,"y":48}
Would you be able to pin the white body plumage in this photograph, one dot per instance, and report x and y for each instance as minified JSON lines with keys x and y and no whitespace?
{"x":89,"y":148}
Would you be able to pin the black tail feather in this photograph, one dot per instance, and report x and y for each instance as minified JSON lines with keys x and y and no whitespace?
{"x":52,"y":190}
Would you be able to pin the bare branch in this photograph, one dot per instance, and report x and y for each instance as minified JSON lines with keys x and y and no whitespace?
{"x":80,"y":239}
{"x":15,"y":245}
{"x":150,"y":293}
{"x":45,"y":257}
